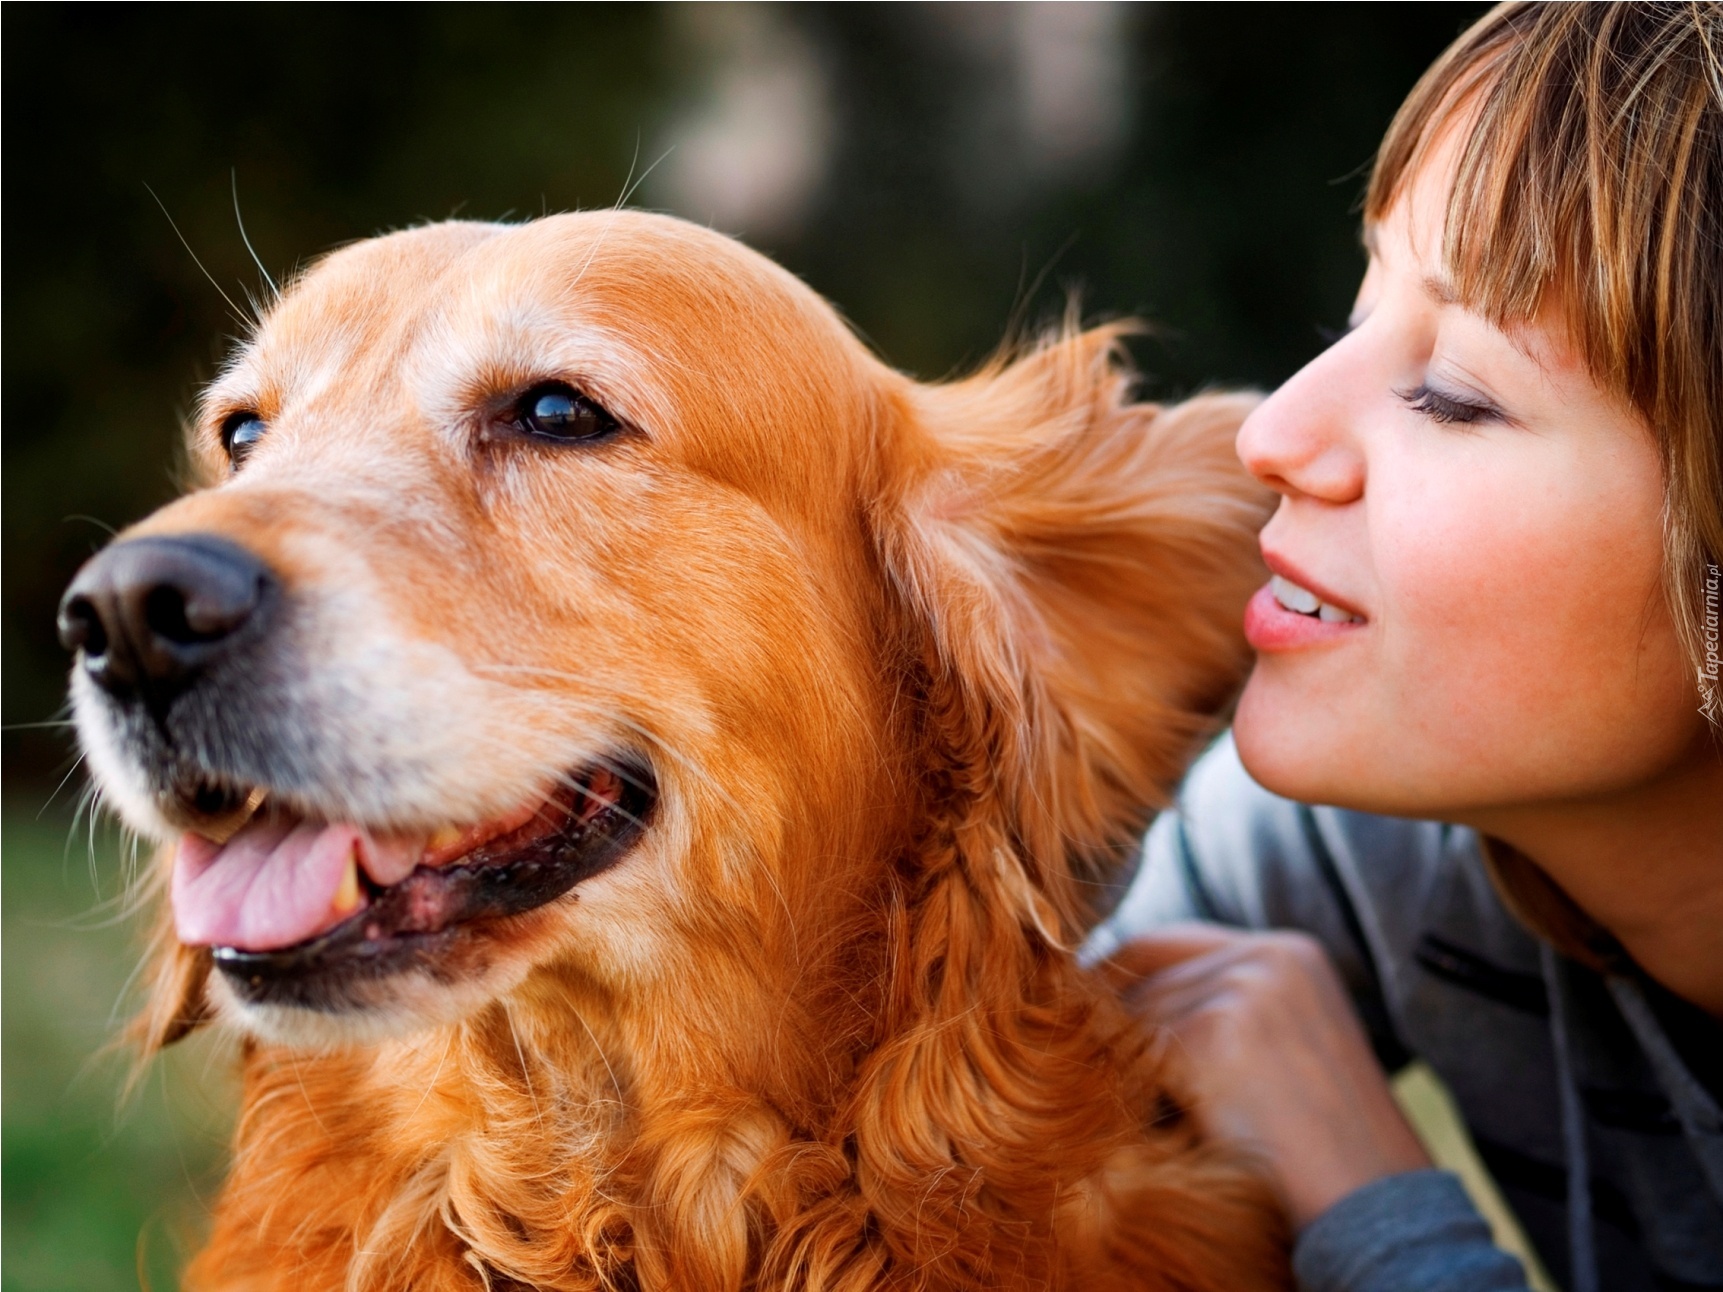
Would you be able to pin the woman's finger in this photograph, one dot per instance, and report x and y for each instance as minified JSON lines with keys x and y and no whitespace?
{"x":1154,"y":952}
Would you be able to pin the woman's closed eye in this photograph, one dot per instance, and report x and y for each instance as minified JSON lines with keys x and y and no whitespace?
{"x":1446,"y":408}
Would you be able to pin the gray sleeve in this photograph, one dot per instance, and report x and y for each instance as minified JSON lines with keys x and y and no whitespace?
{"x":1414,"y":1232}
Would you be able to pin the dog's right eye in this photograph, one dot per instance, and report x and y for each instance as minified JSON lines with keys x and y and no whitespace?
{"x":557,"y":411}
{"x":240,"y":433}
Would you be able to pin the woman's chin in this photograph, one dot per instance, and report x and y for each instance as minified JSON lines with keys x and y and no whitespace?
{"x":1331,"y":753}
{"x":1295,"y":746}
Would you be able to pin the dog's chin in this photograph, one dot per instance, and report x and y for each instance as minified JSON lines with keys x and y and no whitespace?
{"x":398,"y":1008}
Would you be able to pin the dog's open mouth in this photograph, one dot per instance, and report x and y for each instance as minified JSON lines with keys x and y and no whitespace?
{"x":285,"y":902}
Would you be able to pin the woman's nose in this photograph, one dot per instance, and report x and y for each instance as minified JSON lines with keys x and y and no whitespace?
{"x":1302,"y":440}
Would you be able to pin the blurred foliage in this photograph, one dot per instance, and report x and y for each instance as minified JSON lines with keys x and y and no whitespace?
{"x":1222,"y":207}
{"x":98,"y":1193}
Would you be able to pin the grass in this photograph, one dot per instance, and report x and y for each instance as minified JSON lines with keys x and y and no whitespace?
{"x":1433,"y":1114}
{"x":98,"y":1192}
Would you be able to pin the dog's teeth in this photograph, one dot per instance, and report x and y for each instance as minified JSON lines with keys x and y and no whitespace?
{"x":602,"y":790}
{"x":221,"y":829}
{"x":447,"y":837}
{"x":349,"y":897}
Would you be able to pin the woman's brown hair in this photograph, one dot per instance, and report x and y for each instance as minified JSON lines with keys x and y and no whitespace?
{"x":1593,"y":170}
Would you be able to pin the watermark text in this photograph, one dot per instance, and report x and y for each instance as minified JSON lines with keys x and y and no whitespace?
{"x":1710,"y":665}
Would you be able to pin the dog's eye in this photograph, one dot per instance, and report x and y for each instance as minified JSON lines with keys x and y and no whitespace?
{"x":240,"y":433}
{"x":556,"y":411}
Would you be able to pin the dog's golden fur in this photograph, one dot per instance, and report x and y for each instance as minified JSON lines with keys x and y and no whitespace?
{"x":911,"y":663}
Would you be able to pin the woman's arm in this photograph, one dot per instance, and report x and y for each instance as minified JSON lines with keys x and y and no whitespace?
{"x":1276,"y":1057}
{"x":1279,"y":1065}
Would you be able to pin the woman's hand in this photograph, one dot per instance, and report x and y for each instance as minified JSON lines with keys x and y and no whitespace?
{"x":1274,"y":1055}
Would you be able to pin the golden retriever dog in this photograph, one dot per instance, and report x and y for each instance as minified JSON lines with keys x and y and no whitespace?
{"x":632,"y":765}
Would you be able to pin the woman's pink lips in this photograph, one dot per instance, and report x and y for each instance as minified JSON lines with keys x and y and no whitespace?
{"x":1271,"y":627}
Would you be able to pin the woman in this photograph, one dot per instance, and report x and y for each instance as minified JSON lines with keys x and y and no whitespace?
{"x":1490,"y":650}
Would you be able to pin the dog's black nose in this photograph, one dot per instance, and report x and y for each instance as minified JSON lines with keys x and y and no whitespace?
{"x":150,"y":613}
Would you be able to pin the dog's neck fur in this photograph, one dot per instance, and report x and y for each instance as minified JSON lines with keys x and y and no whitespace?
{"x":951,"y":1098}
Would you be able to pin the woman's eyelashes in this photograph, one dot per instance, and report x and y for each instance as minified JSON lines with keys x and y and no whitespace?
{"x":1440,"y":406}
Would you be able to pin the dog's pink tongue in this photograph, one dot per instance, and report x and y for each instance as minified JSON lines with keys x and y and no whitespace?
{"x":273,"y":884}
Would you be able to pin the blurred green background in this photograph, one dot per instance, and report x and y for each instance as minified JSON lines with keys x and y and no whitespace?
{"x":938,"y":171}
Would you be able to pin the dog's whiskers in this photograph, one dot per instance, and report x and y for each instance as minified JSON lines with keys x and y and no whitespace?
{"x":70,"y":772}
{"x":617,"y":808}
{"x":526,"y":1074}
{"x":299,"y":1077}
{"x":629,"y":186}
{"x":246,"y":238}
{"x":431,"y":1085}
{"x":603,"y":1058}
{"x":238,"y":313}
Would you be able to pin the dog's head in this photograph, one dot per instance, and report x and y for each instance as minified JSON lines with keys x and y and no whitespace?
{"x":580,"y":598}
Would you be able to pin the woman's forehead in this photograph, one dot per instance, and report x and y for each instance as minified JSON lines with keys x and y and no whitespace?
{"x":1407,"y":244}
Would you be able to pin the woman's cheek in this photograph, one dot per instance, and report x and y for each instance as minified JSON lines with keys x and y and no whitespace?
{"x":1467,"y":624}
{"x":1521,"y":601}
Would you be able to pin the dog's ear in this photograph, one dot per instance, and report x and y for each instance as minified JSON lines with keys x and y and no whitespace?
{"x":174,"y":1005}
{"x":1077,"y":565}
{"x":1070,"y":573}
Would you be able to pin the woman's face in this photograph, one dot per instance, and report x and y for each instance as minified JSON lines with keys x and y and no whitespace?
{"x":1485,"y":525}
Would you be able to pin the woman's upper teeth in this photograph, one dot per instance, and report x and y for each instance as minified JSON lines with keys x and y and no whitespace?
{"x":1305,"y":602}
